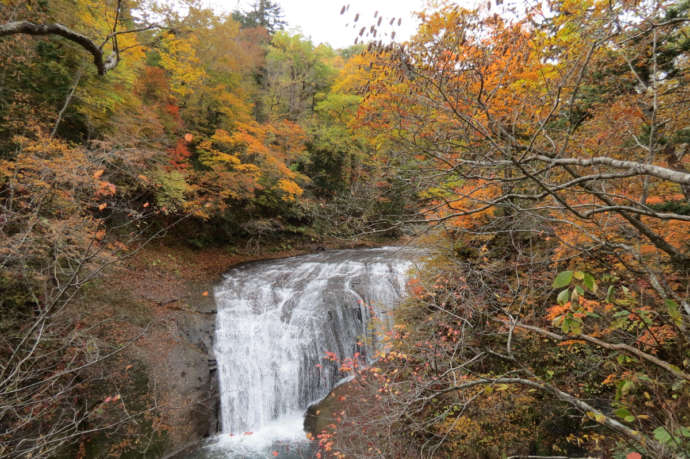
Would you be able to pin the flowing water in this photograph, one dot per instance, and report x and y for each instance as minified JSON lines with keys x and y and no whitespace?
{"x":276,"y":322}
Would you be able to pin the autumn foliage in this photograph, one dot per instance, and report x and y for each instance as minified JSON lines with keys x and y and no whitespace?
{"x":552,"y":161}
{"x":543,"y":153}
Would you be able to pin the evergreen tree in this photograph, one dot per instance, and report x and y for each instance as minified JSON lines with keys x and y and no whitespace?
{"x":264,"y":13}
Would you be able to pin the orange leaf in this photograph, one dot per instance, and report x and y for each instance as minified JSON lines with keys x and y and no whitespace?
{"x":188,"y":138}
{"x":633,"y":456}
{"x":204,"y":294}
{"x":98,"y":173}
{"x":102,"y":206}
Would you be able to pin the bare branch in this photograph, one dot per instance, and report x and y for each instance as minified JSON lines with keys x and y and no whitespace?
{"x":29,"y":28}
{"x":648,"y":169}
{"x":603,"y":344}
{"x":103,"y":63}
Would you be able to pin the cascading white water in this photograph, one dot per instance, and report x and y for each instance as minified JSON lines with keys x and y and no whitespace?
{"x":277,"y":319}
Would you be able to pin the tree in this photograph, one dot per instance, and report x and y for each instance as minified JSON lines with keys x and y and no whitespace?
{"x":296,"y":72}
{"x":57,"y":204}
{"x":264,"y":13}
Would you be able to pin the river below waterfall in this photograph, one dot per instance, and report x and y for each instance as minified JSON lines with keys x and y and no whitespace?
{"x":276,"y":322}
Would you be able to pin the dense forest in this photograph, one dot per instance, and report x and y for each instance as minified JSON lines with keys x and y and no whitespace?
{"x":541,"y":157}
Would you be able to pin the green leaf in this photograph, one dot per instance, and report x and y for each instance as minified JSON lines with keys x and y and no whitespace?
{"x":580,"y":290}
{"x":590,"y":283}
{"x":563,"y":296}
{"x":627,"y":386}
{"x":563,"y":279}
{"x":684,"y":431}
{"x":673,"y":311}
{"x":644,"y":377}
{"x":662,"y":435}
{"x":576,"y":327}
{"x":624,"y":414}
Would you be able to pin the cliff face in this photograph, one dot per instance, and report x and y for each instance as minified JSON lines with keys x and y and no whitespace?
{"x":160,"y":308}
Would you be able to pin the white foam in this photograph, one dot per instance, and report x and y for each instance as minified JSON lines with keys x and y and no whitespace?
{"x":287,"y":429}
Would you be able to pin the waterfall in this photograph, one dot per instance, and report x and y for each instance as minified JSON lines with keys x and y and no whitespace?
{"x":277,"y":319}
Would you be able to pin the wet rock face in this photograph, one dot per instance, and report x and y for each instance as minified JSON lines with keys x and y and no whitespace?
{"x":178,"y":353}
{"x":197,"y":369}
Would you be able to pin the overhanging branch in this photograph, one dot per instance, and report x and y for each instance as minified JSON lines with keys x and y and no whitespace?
{"x":103,"y":63}
{"x":648,"y":169}
{"x":29,"y":28}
